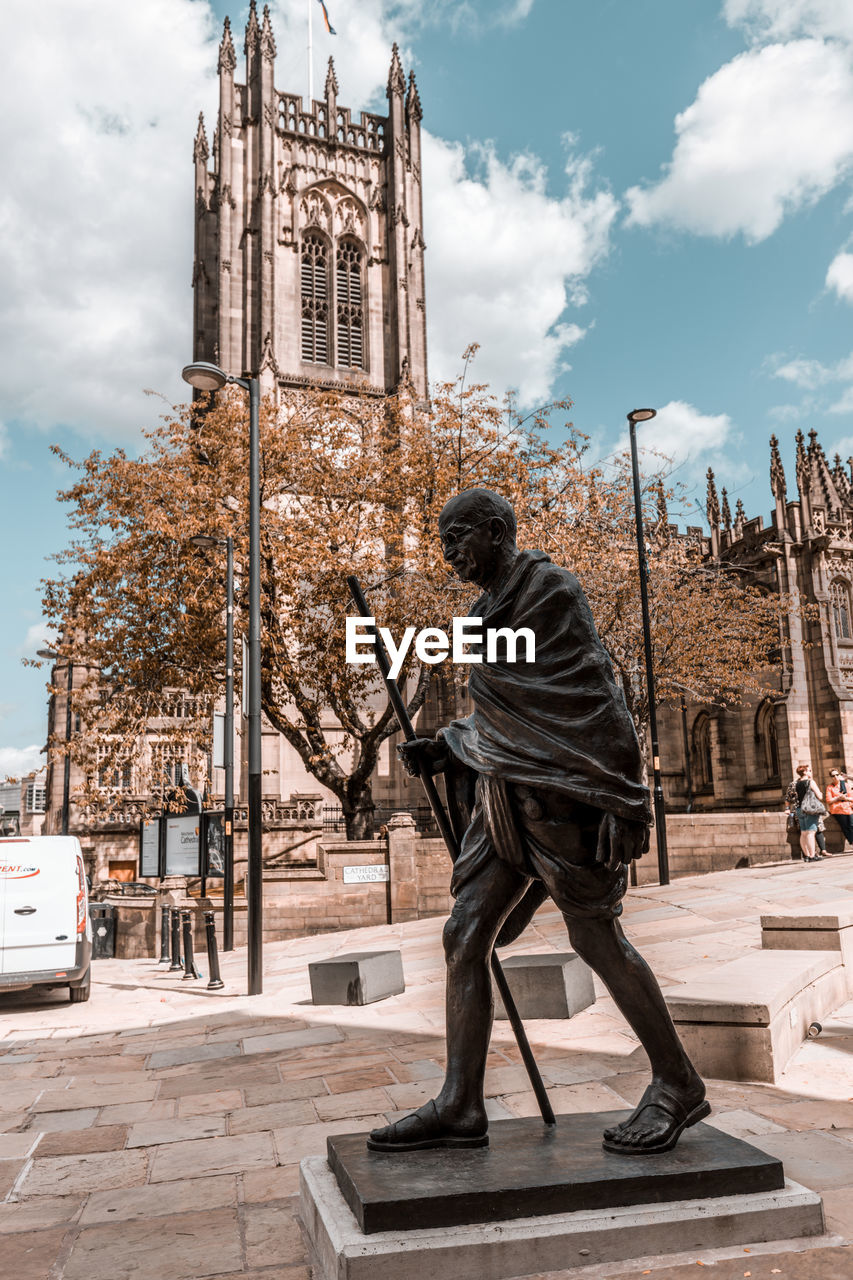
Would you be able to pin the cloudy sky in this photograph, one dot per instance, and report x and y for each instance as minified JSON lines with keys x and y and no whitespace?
{"x":632,"y":202}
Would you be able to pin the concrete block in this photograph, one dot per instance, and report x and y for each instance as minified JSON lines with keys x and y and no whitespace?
{"x":747,"y":1019}
{"x":359,"y":977}
{"x":555,"y":1242}
{"x":825,"y":926}
{"x":552,"y":985}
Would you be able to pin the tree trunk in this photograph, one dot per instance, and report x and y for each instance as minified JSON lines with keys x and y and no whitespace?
{"x":358,"y":810}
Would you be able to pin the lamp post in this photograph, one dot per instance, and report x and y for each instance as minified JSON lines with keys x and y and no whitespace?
{"x":207,"y":540}
{"x":209,"y":377}
{"x":52,"y":656}
{"x":635,"y":416}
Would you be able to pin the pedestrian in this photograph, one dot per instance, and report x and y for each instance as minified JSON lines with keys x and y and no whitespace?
{"x":809,"y":809}
{"x":839,"y":802}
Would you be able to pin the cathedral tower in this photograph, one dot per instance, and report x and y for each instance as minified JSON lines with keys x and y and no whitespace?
{"x":309,"y":251}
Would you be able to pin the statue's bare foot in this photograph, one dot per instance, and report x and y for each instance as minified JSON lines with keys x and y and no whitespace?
{"x":425,"y":1128}
{"x":658,"y":1120}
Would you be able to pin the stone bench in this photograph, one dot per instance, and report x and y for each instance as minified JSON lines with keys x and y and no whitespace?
{"x":556,"y":984}
{"x":746,"y":1019}
{"x":358,"y":977}
{"x":822,"y":926}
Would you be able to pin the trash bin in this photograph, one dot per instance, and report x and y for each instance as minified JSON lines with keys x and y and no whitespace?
{"x":103,"y":917}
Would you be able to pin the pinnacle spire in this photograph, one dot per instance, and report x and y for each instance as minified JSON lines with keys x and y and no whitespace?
{"x":253,"y":29}
{"x":267,"y":38}
{"x":331,"y":80}
{"x":200,"y":149}
{"x":803,"y":476}
{"x":663,"y":513}
{"x":740,"y":518}
{"x":227,"y":56}
{"x":777,"y":472}
{"x":413,"y":101}
{"x":712,"y":502}
{"x":396,"y":79}
{"x":725,"y":512}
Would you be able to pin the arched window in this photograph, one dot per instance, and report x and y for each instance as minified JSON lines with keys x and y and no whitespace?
{"x":702,"y":764}
{"x":839,"y":594}
{"x":350,"y":313}
{"x":315,"y":298}
{"x":766,"y":737}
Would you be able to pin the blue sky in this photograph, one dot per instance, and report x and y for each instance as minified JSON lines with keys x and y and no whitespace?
{"x":631,"y":202}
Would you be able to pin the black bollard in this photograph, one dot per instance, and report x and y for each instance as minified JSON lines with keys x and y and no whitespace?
{"x":190,"y":971}
{"x":176,"y":940}
{"x":165,"y":925}
{"x":212,"y":957}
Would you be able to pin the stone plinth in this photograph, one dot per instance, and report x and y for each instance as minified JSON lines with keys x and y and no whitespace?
{"x":746,"y":1019}
{"x":556,"y":984}
{"x":359,"y":977}
{"x":566,"y":1202}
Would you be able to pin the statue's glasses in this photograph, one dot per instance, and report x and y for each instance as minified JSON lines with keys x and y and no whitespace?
{"x":453,"y":537}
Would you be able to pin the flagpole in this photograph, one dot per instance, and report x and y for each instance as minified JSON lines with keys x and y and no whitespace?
{"x":310,"y":57}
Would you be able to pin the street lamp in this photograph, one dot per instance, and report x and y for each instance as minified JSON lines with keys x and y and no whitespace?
{"x":209,"y":377}
{"x":206,"y":540}
{"x":51,"y":655}
{"x":635,"y":416}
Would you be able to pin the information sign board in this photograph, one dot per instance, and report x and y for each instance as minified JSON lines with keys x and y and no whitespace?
{"x":183,"y":845}
{"x":213,"y":837}
{"x":149,"y":847}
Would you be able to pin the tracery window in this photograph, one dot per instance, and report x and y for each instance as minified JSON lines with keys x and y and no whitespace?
{"x":768,"y":744}
{"x":350,"y":313}
{"x":315,"y":298}
{"x":113,"y":775}
{"x":839,"y":594}
{"x":702,"y":762}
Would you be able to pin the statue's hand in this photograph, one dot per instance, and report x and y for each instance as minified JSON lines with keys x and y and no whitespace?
{"x":620,"y":840}
{"x":423,"y":756}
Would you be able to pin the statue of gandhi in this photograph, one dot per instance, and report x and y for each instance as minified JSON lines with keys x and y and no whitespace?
{"x":545,"y":792}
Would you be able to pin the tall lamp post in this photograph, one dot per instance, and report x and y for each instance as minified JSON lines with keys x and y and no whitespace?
{"x":52,"y":656}
{"x":207,"y":540}
{"x":209,"y":377}
{"x":635,"y":416}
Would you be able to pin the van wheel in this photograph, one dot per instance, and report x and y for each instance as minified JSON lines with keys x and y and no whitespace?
{"x":80,"y":994}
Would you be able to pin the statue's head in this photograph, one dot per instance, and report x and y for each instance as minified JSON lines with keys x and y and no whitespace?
{"x":477,"y":530}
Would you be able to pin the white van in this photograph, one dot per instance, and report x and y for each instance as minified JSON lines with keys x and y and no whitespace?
{"x":45,"y":931}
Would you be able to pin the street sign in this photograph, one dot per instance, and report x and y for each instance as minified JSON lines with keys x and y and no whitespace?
{"x":183,"y":845}
{"x":366,"y":874}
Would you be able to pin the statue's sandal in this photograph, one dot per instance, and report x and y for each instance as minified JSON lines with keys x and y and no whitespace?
{"x":424,"y":1130}
{"x":681,"y":1116}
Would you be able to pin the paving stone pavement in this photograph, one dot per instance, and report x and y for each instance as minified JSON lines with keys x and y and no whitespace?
{"x":156,"y":1132}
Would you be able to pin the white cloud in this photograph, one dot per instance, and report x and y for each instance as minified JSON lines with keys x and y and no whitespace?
{"x":840,"y":276}
{"x":16,"y":761}
{"x":769,"y":132}
{"x":95,"y":214}
{"x":4,"y":438}
{"x":504,"y":259}
{"x":689,"y":439}
{"x":782,"y":19}
{"x":844,"y":404}
{"x":803,"y":373}
{"x":39,"y":636}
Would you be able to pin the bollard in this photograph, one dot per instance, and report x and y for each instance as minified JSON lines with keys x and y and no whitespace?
{"x":176,"y":940}
{"x":190,"y":971}
{"x":165,"y":925}
{"x":212,"y":957}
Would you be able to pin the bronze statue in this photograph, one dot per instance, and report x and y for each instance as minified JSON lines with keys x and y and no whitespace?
{"x":544,"y":788}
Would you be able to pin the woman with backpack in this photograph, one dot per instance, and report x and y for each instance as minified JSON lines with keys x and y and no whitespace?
{"x":810,"y":810}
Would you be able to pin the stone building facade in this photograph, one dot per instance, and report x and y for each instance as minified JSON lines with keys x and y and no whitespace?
{"x":743,"y":757}
{"x":309,"y":248}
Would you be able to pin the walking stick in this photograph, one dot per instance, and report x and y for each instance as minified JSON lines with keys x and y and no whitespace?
{"x":443,"y":823}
